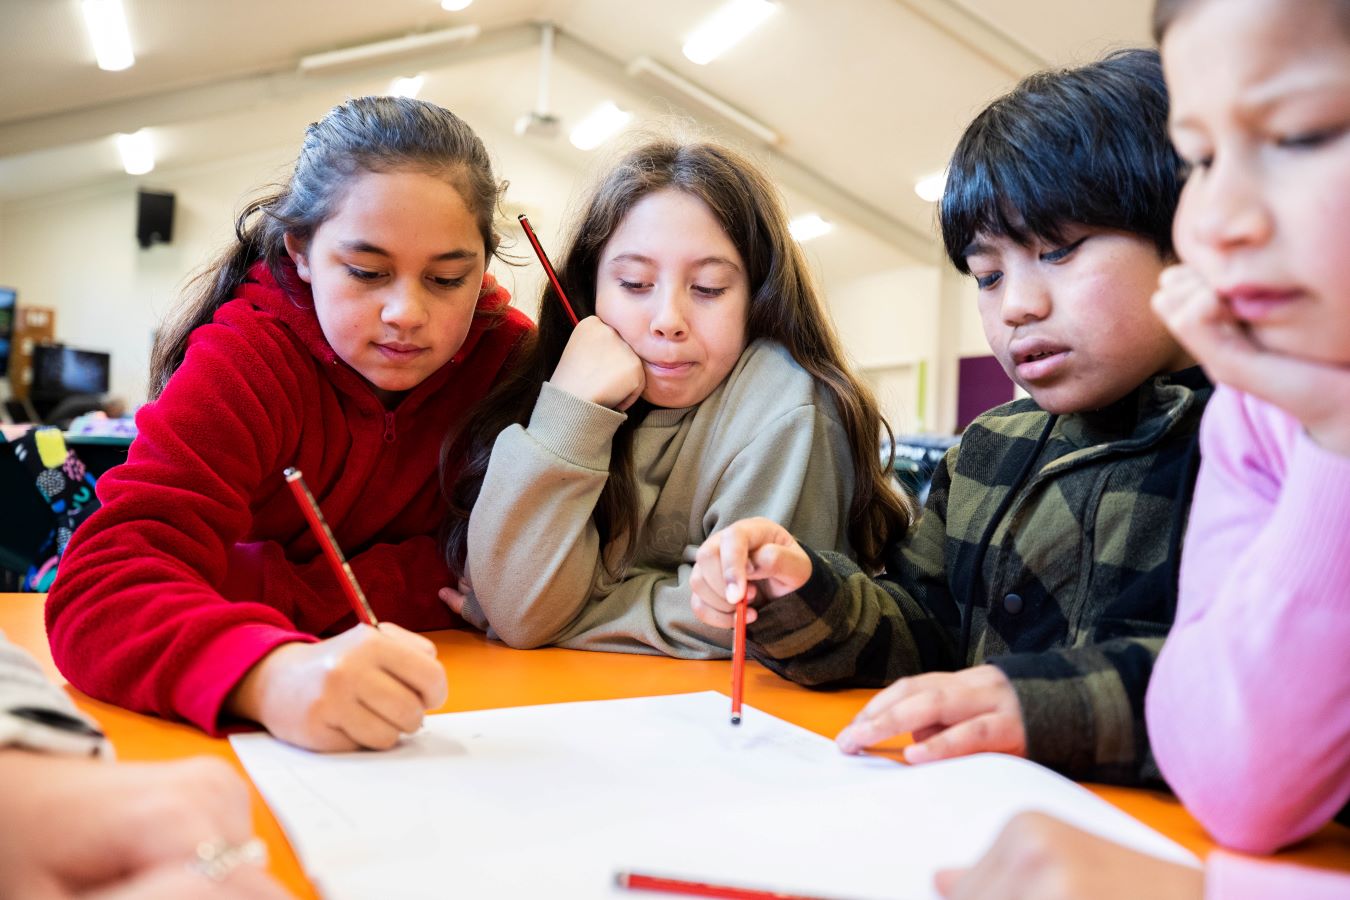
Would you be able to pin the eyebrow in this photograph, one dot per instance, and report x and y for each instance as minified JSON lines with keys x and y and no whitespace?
{"x":647,"y":260}
{"x":367,"y":247}
{"x":977,"y":248}
{"x":1267,"y":95}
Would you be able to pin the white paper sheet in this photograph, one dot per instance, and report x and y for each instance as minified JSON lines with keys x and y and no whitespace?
{"x":551,"y":801}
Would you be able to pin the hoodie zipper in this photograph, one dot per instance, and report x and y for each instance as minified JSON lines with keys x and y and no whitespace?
{"x":389,"y":436}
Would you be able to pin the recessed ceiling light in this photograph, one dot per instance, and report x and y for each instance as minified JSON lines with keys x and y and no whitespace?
{"x":724,"y":28}
{"x":930,"y":187}
{"x":107,"y":26}
{"x":407,"y":87}
{"x":137,"y":152}
{"x":808,"y":226}
{"x":455,"y":5}
{"x":605,"y":121}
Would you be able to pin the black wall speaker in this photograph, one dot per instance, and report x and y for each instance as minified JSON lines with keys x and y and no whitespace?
{"x":154,"y":217}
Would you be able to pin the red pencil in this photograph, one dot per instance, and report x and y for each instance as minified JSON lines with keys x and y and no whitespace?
{"x":635,"y":881}
{"x":330,"y":548}
{"x":548,"y":267}
{"x":738,"y":662}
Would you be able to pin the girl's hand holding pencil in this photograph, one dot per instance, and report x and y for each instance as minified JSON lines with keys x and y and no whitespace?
{"x":360,"y":690}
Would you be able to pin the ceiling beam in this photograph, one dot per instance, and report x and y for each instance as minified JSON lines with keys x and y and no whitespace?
{"x":978,"y":35}
{"x":792,"y":173}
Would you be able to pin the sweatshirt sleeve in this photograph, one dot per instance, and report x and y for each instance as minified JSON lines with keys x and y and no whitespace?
{"x":846,"y":628}
{"x":1082,"y":707}
{"x":1252,"y":688}
{"x":796,"y":470}
{"x":136,"y":617}
{"x":533,"y":547}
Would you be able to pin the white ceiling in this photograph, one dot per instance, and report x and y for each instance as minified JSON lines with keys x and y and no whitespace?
{"x":868,"y":95}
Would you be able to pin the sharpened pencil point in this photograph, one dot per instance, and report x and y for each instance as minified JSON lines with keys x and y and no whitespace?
{"x":735,"y":720}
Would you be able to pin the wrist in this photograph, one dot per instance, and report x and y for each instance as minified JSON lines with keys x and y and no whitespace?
{"x":248,"y":698}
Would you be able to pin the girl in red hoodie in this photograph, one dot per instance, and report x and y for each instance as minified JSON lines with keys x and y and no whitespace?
{"x":345,"y":332}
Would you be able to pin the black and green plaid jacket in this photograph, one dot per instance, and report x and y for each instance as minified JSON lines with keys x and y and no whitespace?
{"x":1071,"y":596}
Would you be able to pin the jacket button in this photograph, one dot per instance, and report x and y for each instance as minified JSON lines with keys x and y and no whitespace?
{"x":1013,"y":604}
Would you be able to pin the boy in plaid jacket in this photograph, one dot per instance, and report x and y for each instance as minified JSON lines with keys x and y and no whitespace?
{"x":1024,"y":611}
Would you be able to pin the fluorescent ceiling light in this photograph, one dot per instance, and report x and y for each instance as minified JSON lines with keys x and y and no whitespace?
{"x":394,"y":47}
{"x":605,"y":121}
{"x":724,"y":28}
{"x":107,"y":26}
{"x":645,"y":67}
{"x":808,"y":226}
{"x":930,"y":187}
{"x":137,"y":152}
{"x":455,"y":5}
{"x":407,"y":87}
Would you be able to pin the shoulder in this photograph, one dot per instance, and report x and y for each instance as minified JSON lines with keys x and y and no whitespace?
{"x":1238,"y":424}
{"x":1013,"y":420}
{"x":770,"y":383}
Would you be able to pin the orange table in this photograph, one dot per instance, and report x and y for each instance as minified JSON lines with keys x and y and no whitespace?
{"x":485,"y":675}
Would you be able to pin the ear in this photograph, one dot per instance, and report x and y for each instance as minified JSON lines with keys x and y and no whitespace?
{"x":297,"y":252}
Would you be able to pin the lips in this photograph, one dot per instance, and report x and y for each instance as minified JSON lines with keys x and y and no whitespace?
{"x":1258,"y":303}
{"x":668,"y":367}
{"x":1037,"y":358}
{"x":397,"y":350}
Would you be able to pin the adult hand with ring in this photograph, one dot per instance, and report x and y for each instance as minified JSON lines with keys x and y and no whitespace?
{"x":77,"y":827}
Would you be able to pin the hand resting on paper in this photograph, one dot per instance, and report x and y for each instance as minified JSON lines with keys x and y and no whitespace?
{"x":87,"y":828}
{"x":749,"y":559}
{"x":1037,"y":856}
{"x":359,"y":690}
{"x":949,"y":713}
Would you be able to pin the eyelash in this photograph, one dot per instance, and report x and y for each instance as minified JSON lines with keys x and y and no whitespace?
{"x":707,"y":292}
{"x":1062,"y":253}
{"x":1058,"y":255}
{"x":1309,"y":139}
{"x":366,"y":276}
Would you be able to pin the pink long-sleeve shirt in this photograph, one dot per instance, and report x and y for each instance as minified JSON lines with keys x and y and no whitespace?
{"x":1249,"y":705}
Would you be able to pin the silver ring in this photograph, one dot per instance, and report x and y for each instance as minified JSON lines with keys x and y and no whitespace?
{"x":215,"y":860}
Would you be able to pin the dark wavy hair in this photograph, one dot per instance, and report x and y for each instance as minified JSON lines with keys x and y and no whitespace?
{"x":1086,"y":145}
{"x":366,"y":134}
{"x":785,"y":306}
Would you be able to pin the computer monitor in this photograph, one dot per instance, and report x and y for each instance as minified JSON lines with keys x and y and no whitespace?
{"x":8,"y":299}
{"x":59,"y":371}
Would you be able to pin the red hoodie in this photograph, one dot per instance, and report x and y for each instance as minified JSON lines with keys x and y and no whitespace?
{"x":200,"y":562}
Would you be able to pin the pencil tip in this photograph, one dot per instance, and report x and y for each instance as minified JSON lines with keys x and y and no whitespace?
{"x":735,"y":720}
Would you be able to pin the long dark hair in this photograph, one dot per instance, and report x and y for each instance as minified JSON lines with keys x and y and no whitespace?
{"x":785,"y":306}
{"x":366,"y":134}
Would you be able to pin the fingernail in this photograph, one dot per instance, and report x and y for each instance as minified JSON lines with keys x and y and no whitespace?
{"x":848,"y":740}
{"x":917,"y":753}
{"x":734,"y":589}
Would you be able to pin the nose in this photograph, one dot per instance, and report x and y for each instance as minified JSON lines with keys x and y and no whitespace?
{"x":405,"y":306}
{"x":1222,"y":207}
{"x":1026,"y":298}
{"x":669,"y":314}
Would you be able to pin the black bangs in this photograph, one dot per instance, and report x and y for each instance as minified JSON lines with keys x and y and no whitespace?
{"x":1083,"y":146}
